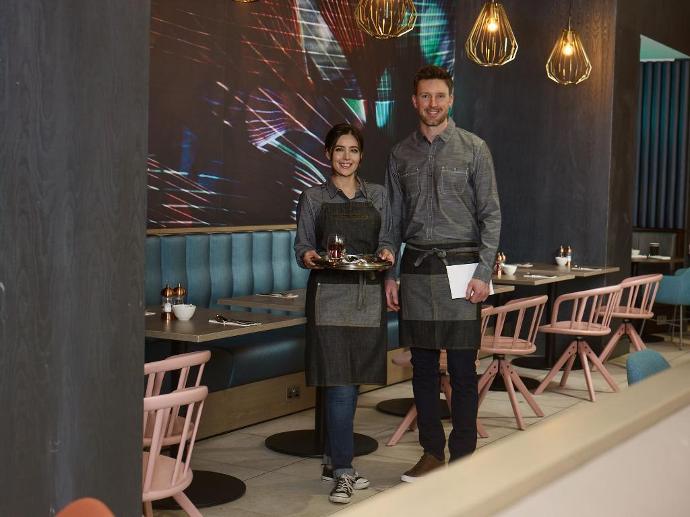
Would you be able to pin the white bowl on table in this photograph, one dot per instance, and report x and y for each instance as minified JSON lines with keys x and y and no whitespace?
{"x":561,"y":261}
{"x":184,"y":311}
{"x":635,"y":253}
{"x":509,"y":269}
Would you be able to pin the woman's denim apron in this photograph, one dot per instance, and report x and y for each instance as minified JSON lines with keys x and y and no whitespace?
{"x":346,"y":310}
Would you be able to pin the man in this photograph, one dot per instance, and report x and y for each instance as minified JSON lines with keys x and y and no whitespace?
{"x":442,"y":189}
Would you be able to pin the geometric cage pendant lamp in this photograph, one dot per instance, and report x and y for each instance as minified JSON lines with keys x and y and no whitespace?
{"x":568,"y":62}
{"x":491,"y":41}
{"x":385,"y":19}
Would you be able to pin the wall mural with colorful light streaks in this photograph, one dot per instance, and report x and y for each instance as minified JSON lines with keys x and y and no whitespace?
{"x":242,"y":95}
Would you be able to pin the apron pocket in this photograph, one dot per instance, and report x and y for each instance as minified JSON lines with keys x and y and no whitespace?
{"x":427,"y":298}
{"x":337,"y":305}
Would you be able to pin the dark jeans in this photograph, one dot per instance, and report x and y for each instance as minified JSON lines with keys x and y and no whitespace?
{"x":341,"y":403}
{"x":464,"y":401}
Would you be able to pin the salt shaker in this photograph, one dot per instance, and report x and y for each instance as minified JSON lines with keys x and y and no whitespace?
{"x":167,"y":294}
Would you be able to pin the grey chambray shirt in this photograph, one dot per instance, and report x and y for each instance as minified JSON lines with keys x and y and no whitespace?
{"x":309,"y":207}
{"x":445,"y":191}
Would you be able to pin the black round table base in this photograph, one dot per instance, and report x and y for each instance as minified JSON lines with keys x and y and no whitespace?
{"x":400,"y":407}
{"x":304,"y":443}
{"x":207,"y":489}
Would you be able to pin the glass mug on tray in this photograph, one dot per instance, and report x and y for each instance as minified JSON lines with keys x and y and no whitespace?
{"x":335,"y":248}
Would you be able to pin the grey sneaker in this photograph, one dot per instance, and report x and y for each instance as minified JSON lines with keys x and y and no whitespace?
{"x":360,"y":482}
{"x":342,"y":491}
{"x":426,"y":464}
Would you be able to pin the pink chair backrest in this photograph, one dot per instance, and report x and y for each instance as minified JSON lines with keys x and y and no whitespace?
{"x":592,"y":310}
{"x":526,"y":310}
{"x":182,"y":363}
{"x":159,"y":410}
{"x":155,"y":373}
{"x":639,"y":292}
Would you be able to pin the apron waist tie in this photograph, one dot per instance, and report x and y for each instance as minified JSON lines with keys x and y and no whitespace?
{"x":441,"y":254}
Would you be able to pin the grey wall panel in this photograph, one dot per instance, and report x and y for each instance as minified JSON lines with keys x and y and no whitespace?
{"x":73,"y":133}
{"x":551,"y":143}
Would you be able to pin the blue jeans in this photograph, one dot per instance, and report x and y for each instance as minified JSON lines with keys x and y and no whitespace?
{"x":464,"y":401}
{"x":341,"y":402}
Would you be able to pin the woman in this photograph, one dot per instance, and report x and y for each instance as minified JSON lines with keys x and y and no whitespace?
{"x":346,"y":310}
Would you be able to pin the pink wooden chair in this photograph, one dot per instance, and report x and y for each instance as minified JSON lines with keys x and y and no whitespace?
{"x":182,"y":366}
{"x":590,"y":315}
{"x":637,"y":300}
{"x":165,"y":476}
{"x":519,"y":340}
{"x":85,"y":507}
{"x":409,"y":421}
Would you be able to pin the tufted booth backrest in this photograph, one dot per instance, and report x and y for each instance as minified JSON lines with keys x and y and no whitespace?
{"x":222,"y":265}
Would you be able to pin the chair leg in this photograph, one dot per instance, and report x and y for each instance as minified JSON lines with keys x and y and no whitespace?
{"x":635,"y":338}
{"x":405,"y":425}
{"x":517,"y":381}
{"x":572,"y":349}
{"x":680,"y":331}
{"x":447,"y":391}
{"x":567,"y":370}
{"x":620,"y":332}
{"x":511,"y":395}
{"x":481,"y":430}
{"x":600,"y":366}
{"x":588,"y":373}
{"x":186,"y":505}
{"x":148,"y":508}
{"x":673,"y":324}
{"x":487,"y":379}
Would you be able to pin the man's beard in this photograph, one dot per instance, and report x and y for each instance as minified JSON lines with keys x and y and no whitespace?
{"x":434,"y":122}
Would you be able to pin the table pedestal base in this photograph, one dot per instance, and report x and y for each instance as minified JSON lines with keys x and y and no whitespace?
{"x":400,"y":407}
{"x":305,"y":443}
{"x":207,"y":489}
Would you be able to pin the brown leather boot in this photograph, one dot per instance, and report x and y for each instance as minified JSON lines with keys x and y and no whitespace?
{"x":426,"y":464}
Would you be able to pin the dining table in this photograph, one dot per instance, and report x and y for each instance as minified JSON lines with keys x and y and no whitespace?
{"x":210,"y":488}
{"x":671,"y":262}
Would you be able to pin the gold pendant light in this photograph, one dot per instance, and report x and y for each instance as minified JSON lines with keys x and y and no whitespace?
{"x":245,"y":1}
{"x":491,"y":41}
{"x":385,"y":19}
{"x":568,"y":62}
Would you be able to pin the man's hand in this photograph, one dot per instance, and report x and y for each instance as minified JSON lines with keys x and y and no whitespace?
{"x":309,"y":257}
{"x":477,"y":291}
{"x":392,"y":294}
{"x":386,"y":254}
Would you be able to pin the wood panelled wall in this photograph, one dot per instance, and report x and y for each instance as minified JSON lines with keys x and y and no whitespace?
{"x":73,"y":133}
{"x":551,"y":144}
{"x":565,"y":156}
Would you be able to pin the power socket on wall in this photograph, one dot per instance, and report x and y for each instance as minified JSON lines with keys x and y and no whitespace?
{"x":293,"y":392}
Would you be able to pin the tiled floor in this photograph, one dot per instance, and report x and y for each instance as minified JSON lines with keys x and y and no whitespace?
{"x":282,"y":485}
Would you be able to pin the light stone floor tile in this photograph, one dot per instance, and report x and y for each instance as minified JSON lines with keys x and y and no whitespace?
{"x":279,"y":485}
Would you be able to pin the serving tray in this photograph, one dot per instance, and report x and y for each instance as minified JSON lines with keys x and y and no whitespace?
{"x":355,"y":263}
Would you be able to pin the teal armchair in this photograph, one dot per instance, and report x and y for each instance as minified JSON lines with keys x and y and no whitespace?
{"x":675,"y":290}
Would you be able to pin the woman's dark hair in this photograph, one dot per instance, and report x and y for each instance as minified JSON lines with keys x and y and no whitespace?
{"x":433,"y":72}
{"x":339,"y":130}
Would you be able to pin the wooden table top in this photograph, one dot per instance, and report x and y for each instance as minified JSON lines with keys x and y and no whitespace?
{"x":643,"y":259}
{"x":586,"y":271}
{"x":297,"y":304}
{"x":269,"y":302}
{"x":543,"y":278}
{"x":199,"y":330}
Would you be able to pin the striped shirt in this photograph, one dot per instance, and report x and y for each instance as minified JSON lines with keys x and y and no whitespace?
{"x":445,"y":191}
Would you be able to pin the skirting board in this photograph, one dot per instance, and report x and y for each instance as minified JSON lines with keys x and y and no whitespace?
{"x":256,"y":402}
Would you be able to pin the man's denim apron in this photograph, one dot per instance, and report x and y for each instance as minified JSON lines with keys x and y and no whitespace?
{"x":430,"y":317}
{"x":346,"y":310}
